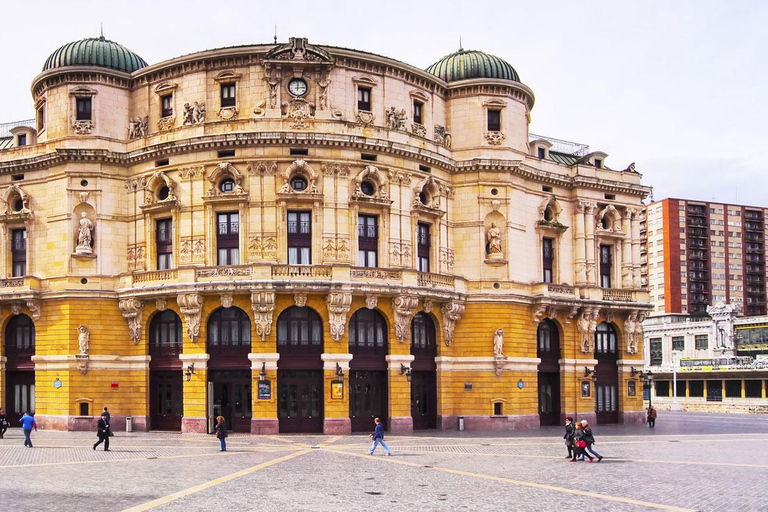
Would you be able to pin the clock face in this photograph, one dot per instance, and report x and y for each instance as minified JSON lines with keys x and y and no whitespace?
{"x":297,"y":87}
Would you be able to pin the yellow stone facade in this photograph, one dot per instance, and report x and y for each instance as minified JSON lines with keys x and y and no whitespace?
{"x":150,"y":153}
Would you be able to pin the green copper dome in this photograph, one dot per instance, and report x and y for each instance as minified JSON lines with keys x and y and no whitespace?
{"x":467,"y":64}
{"x":95,"y":51}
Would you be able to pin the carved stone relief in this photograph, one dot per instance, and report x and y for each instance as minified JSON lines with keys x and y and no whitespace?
{"x":364,"y":117}
{"x":299,"y":168}
{"x":190,"y":305}
{"x":300,"y":299}
{"x":161,"y":304}
{"x":262,"y":248}
{"x":194,"y":113}
{"x":404,"y":307}
{"x":138,"y":127}
{"x":371,"y":301}
{"x":136,"y":261}
{"x":400,"y":253}
{"x":226,"y":300}
{"x":443,"y":136}
{"x":494,"y":138}
{"x":452,"y":312}
{"x":83,"y":127}
{"x":131,"y":310}
{"x":192,"y":172}
{"x":228,"y":113}
{"x":396,"y":119}
{"x":262,"y":168}
{"x":263,"y":305}
{"x":84,"y":235}
{"x":166,"y":123}
{"x":192,"y":250}
{"x":336,"y":249}
{"x":338,"y":307}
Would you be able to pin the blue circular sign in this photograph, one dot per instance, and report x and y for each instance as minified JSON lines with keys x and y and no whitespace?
{"x":57,"y":383}
{"x":520,"y":384}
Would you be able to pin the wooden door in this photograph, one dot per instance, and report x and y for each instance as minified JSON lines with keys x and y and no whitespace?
{"x":232,"y":398}
{"x":20,"y":395}
{"x":607,"y":392}
{"x":549,"y":398}
{"x":423,"y":400}
{"x":367,"y":399}
{"x":300,"y":401}
{"x":165,"y":400}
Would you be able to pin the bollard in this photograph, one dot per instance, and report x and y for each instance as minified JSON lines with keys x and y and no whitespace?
{"x":461,"y":423}
{"x":128,"y":424}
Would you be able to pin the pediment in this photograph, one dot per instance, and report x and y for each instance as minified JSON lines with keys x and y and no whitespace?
{"x":298,"y":49}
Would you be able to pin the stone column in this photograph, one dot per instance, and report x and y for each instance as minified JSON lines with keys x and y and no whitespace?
{"x":581,"y":262}
{"x":626,"y":252}
{"x":589,"y":232}
{"x":195,"y":394}
{"x":400,"y":419}
{"x":636,"y":241}
{"x":264,"y":419}
{"x":336,"y":414}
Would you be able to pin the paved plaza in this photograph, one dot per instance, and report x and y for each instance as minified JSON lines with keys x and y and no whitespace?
{"x":689,"y":462}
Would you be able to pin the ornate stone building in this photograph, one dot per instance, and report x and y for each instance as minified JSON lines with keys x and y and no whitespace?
{"x":301,"y":237}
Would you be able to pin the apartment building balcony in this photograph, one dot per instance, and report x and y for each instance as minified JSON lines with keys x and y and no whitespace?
{"x":695,"y":222}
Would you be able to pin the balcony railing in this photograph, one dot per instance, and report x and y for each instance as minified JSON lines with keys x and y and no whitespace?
{"x":375,"y":273}
{"x":156,"y":275}
{"x":430,"y":280}
{"x":315,"y":271}
{"x":617,"y":295}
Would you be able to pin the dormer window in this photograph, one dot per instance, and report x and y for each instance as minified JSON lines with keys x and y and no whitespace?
{"x":83,"y":109}
{"x":542,"y":153}
{"x":598,"y":163}
{"x":22,"y":139}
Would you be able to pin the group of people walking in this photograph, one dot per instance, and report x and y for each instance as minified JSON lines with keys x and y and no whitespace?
{"x":579,"y":440}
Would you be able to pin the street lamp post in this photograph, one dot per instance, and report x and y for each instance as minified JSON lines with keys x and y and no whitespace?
{"x":648,"y":379}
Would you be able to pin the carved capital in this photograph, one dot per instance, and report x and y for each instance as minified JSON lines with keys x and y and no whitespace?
{"x":263,"y":305}
{"x":405,"y":307}
{"x":190,"y":305}
{"x":338,"y":307}
{"x":452,"y":312}
{"x":131,"y":310}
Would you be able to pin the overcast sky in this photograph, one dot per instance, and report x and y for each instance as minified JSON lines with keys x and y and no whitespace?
{"x":676,"y":86}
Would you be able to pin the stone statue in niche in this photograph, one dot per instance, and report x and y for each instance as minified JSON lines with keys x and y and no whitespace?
{"x":322,"y":101}
{"x":83,"y":339}
{"x":274,"y":99}
{"x":498,"y":343}
{"x":493,"y":239}
{"x":85,"y":236}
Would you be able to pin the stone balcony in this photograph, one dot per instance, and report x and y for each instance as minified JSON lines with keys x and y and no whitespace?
{"x":246,"y":276}
{"x":592,"y":293}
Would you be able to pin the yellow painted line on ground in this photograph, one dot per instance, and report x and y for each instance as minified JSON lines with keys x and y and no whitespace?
{"x":135,"y":459}
{"x":524,"y":483}
{"x":207,"y":485}
{"x":329,"y":441}
{"x":287,"y":441}
{"x":603,"y":443}
{"x":526,"y":456}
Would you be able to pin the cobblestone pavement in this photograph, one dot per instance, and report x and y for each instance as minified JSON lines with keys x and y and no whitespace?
{"x":688,"y":462}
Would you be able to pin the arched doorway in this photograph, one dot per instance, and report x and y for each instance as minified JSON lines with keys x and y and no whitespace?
{"x":300,"y":371}
{"x":367,"y":369}
{"x":165,"y":377}
{"x":607,"y":374}
{"x":20,"y":370}
{"x":229,"y":369}
{"x":548,"y":350}
{"x":423,"y":372}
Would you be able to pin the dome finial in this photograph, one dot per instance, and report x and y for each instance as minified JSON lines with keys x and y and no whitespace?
{"x":461,"y":47}
{"x":101,"y":25}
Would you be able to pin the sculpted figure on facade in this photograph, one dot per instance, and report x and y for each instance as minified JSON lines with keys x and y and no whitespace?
{"x":138,"y":127}
{"x":630,"y":332}
{"x":396,"y":119}
{"x":493,"y":239}
{"x":131,"y":310}
{"x":498,"y":343}
{"x":274,"y":93}
{"x":84,"y":235}
{"x":322,"y":98}
{"x":404,"y":307}
{"x":263,"y":306}
{"x":583,"y":325}
{"x":83,"y":339}
{"x":443,"y":136}
{"x":194,"y":114}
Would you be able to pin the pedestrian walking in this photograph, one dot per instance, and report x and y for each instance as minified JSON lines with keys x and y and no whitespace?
{"x":3,"y":423}
{"x":589,"y":438}
{"x":579,"y":444}
{"x":102,"y":430}
{"x":651,"y":417}
{"x":569,"y":430}
{"x":109,"y":422}
{"x":378,"y":438}
{"x":221,"y":432}
{"x":27,"y":424}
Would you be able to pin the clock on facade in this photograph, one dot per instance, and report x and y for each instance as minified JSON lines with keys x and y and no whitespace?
{"x":297,"y":87}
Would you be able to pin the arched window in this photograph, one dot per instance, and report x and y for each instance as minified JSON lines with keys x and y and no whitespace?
{"x":229,"y":330}
{"x":547,"y":340}
{"x":165,"y":337}
{"x":20,"y":336}
{"x":423,"y":335}
{"x":605,"y":340}
{"x":299,"y":330}
{"x":367,"y":333}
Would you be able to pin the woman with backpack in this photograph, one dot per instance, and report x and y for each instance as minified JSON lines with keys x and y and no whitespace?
{"x":579,"y":444}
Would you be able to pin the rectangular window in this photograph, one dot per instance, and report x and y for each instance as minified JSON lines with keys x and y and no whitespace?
{"x":599,"y":164}
{"x":494,"y":120}
{"x":656,"y":352}
{"x":678,"y":343}
{"x":299,"y":238}
{"x":227,"y":95}
{"x":423,"y":246}
{"x":542,"y":153}
{"x":164,"y":244}
{"x":548,"y":257}
{"x":83,"y":109}
{"x":41,"y":118}
{"x":702,"y":341}
{"x":367,"y":241}
{"x":417,"y":108}
{"x":364,"y":99}
{"x":605,"y":266}
{"x":228,"y":238}
{"x":19,"y":252}
{"x":166,"y":105}
{"x":22,"y":139}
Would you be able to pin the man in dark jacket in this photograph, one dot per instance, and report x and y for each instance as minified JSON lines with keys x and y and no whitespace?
{"x":3,"y":423}
{"x":102,"y":430}
{"x":590,"y":439}
{"x":378,"y":438}
{"x":569,"y":430}
{"x":109,"y":422}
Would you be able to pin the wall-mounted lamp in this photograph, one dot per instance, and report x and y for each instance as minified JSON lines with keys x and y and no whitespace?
{"x":190,"y":372}
{"x":405,"y":370}
{"x":263,"y":372}
{"x":339,"y":372}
